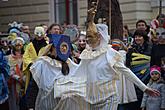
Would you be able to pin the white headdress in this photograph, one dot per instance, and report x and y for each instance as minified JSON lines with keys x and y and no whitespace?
{"x":103,"y":30}
{"x":17,"y":40}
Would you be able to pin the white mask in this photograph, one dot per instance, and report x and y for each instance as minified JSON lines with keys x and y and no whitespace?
{"x":160,"y":32}
{"x":39,"y":31}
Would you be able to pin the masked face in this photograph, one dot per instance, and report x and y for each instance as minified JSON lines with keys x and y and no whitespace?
{"x":160,"y":32}
{"x":39,"y":32}
{"x":93,"y":39}
{"x":62,"y":45}
{"x":18,"y":47}
{"x":18,"y":44}
{"x":82,"y":41}
{"x":4,"y":44}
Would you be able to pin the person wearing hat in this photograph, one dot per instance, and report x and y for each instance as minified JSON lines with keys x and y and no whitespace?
{"x":32,"y":52}
{"x":16,"y":76}
{"x":157,"y":52}
{"x":54,"y":73}
{"x":155,"y":103}
{"x":16,"y":29}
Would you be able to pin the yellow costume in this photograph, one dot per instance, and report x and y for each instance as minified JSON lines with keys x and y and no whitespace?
{"x":29,"y":57}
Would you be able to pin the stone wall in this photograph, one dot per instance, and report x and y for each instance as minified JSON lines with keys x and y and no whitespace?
{"x":29,"y":12}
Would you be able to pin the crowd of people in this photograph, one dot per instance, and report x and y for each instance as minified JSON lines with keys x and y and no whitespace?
{"x":64,"y":68}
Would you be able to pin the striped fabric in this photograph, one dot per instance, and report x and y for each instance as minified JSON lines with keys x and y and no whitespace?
{"x":78,"y":103}
{"x":140,"y":66}
{"x":73,"y":101}
{"x":45,"y":101}
{"x":100,"y":91}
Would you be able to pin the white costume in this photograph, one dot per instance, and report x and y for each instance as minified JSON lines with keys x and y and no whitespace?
{"x":91,"y":86}
{"x":47,"y":73}
{"x":102,"y":68}
{"x":125,"y":87}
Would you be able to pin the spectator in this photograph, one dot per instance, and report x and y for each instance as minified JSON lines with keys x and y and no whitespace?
{"x":26,"y":33}
{"x":25,"y":29}
{"x":141,"y":24}
{"x":138,"y":60}
{"x":54,"y":29}
{"x":155,"y":103}
{"x":158,"y":51}
{"x":127,"y":36}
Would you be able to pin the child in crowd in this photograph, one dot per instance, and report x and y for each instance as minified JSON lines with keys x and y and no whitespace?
{"x":155,"y":103}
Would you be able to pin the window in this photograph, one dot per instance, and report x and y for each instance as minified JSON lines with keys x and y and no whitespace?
{"x":66,"y":11}
{"x":156,"y":3}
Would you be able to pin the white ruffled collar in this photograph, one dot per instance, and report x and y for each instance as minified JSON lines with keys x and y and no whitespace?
{"x":89,"y":54}
{"x":51,"y":61}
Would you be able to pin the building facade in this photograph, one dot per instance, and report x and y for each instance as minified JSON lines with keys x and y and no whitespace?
{"x":133,"y":10}
{"x":35,"y":12}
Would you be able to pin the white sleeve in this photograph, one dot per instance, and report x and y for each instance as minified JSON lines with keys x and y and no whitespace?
{"x":36,"y":70}
{"x":121,"y":68}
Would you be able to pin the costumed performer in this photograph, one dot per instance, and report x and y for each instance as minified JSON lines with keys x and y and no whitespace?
{"x":53,"y":73}
{"x":32,"y":52}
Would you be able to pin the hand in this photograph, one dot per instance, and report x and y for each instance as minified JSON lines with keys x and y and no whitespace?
{"x":77,"y":55}
{"x":152,"y":92}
